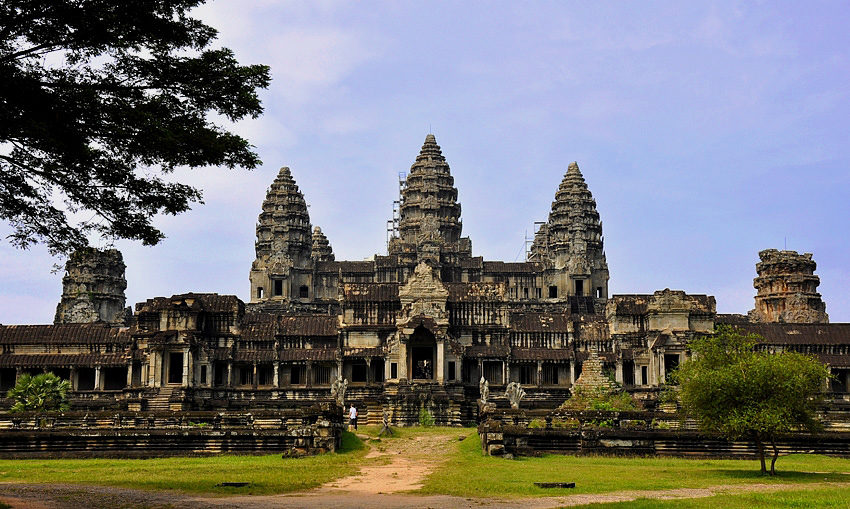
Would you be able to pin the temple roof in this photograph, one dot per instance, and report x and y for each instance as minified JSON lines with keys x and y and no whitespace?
{"x":63,"y":334}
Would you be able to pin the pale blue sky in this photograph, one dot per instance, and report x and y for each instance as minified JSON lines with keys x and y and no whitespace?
{"x":705,"y":132}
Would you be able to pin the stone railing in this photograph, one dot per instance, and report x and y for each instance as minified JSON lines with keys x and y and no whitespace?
{"x":533,"y":432}
{"x":145,"y":434}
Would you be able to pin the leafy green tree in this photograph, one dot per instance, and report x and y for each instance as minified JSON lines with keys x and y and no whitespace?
{"x":733,"y":388}
{"x":100,"y":99}
{"x":40,"y":393}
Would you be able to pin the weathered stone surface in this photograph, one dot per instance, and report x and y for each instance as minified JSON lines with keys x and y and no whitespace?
{"x":93,"y":288}
{"x":284,"y":242}
{"x":571,"y":240}
{"x":592,"y":379}
{"x":787,"y":289}
{"x":322,"y":250}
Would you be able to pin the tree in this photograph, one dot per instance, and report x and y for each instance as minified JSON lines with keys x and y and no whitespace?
{"x":40,"y":393}
{"x":98,"y":101}
{"x":732,"y":387}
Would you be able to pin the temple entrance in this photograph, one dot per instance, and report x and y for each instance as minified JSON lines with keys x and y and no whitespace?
{"x":175,"y":367}
{"x":423,"y":354}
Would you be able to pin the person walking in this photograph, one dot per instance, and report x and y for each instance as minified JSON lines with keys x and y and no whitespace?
{"x":352,"y":417}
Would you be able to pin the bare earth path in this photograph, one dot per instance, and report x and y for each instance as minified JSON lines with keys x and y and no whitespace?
{"x":393,"y":466}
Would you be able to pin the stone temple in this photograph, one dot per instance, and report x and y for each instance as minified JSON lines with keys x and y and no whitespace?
{"x":418,"y":327}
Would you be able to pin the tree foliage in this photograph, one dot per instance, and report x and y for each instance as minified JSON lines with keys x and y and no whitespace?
{"x":40,"y":393}
{"x":732,"y":387}
{"x":98,"y":101}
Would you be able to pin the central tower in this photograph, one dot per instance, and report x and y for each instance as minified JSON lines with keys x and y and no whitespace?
{"x":429,"y":224}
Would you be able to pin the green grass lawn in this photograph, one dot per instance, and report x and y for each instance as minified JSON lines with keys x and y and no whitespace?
{"x":466,"y":472}
{"x":267,"y":474}
{"x":471,"y":474}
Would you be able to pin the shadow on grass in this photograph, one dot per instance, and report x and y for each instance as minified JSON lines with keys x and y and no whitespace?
{"x":350,"y":443}
{"x":782,"y":475}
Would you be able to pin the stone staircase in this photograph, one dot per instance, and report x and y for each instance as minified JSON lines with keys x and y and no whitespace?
{"x":160,"y":402}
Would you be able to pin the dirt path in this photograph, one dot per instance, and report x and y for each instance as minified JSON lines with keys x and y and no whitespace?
{"x":393,"y":466}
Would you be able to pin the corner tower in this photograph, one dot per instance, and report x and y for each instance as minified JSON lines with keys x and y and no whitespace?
{"x":93,"y":288}
{"x":429,"y":223}
{"x":571,"y":242}
{"x":283,"y":266}
{"x":787,"y":289}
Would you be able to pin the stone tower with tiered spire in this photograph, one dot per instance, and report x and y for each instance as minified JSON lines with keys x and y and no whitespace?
{"x":429,"y":224}
{"x":571,"y":243}
{"x":787,"y":289}
{"x":322,"y":250}
{"x":284,"y":247}
{"x":93,"y":288}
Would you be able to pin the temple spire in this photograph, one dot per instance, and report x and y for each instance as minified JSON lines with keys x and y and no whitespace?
{"x":429,"y":209}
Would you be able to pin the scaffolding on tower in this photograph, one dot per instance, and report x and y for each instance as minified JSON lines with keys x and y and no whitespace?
{"x":392,"y":224}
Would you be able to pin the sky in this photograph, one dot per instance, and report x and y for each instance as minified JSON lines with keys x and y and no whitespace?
{"x":706,"y":132}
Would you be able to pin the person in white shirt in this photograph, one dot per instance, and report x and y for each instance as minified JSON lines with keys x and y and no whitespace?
{"x":352,"y":417}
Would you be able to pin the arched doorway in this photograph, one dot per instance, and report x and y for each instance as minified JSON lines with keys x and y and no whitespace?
{"x":423,"y":354}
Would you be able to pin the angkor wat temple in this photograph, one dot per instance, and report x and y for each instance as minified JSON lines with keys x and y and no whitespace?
{"x":420,"y":326}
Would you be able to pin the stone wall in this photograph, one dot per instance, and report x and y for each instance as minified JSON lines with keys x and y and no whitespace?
{"x":152,"y":434}
{"x":636,"y":434}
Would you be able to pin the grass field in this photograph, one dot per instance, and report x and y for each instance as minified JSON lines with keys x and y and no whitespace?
{"x":466,"y":473}
{"x":267,"y":474}
{"x":470,"y":474}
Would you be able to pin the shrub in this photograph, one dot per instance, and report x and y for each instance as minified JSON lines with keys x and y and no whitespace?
{"x":40,"y":393}
{"x":426,"y":418}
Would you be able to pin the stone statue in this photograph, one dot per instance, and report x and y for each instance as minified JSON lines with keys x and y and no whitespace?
{"x":484,"y":389}
{"x":338,"y":388}
{"x":514,"y":393}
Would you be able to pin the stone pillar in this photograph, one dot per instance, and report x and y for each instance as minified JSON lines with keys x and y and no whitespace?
{"x":18,"y":373}
{"x":402,"y":360}
{"x":369,"y":377}
{"x":73,"y":378}
{"x":130,"y":374}
{"x":276,"y":379}
{"x":97,"y":379}
{"x":539,"y":373}
{"x":186,"y":364}
{"x":309,"y":374}
{"x":481,"y":369}
{"x":440,"y":369}
{"x":230,"y":373}
{"x":572,"y":371}
{"x":254,"y":377}
{"x":618,"y":371}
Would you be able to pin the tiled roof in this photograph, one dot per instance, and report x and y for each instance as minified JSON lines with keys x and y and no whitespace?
{"x":544,"y":354}
{"x":63,"y":360}
{"x":308,"y":354}
{"x":512,"y":268}
{"x":309,"y":325}
{"x":259,"y":331}
{"x":209,"y":302}
{"x":370,"y":292}
{"x":800,"y":333}
{"x":347,"y":267}
{"x":251,"y":356}
{"x":479,"y":351}
{"x":539,"y":322}
{"x":64,"y":334}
